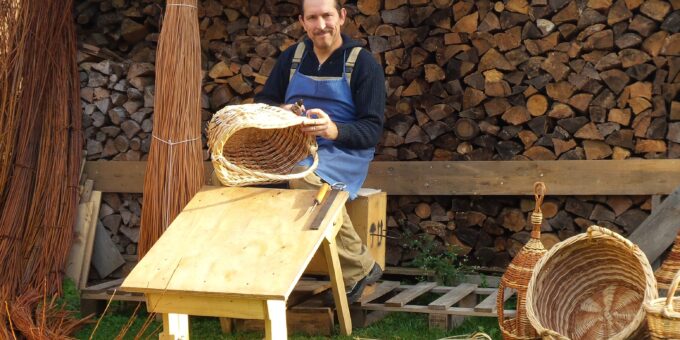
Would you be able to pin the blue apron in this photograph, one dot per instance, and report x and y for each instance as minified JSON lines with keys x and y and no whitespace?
{"x":334,"y":96}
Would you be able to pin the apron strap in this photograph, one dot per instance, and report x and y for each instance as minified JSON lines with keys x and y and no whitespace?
{"x":297,"y":58}
{"x":349,"y":65}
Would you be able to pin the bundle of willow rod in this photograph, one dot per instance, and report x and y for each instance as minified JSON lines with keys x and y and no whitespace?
{"x":174,"y":171}
{"x":9,"y":41}
{"x":37,"y":212}
{"x":47,"y":243}
{"x":32,"y":105}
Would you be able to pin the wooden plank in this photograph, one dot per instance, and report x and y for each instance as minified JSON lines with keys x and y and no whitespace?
{"x":657,"y":232}
{"x":89,"y":244}
{"x":206,"y":305}
{"x":446,"y":289}
{"x":311,"y":287}
{"x":406,"y":296}
{"x":426,"y":310}
{"x":592,"y":177}
{"x":105,"y":256}
{"x":452,"y":297}
{"x":120,"y":296}
{"x":74,"y":265}
{"x":488,"y":305}
{"x":382,"y":289}
{"x":304,"y":290}
{"x":275,"y":323}
{"x":86,"y":193}
{"x":125,"y":176}
{"x":339,"y":295}
{"x":608,"y":177}
{"x":226,"y":325}
{"x":223,"y":234}
{"x":175,"y":327}
{"x":103,"y":286}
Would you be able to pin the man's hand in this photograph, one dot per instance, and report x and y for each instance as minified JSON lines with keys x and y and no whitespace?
{"x":318,"y":123}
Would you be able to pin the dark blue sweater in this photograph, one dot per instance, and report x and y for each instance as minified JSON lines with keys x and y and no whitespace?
{"x":367,"y":85}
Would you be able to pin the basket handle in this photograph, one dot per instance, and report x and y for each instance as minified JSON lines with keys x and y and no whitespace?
{"x":595,"y":228}
{"x":668,"y":307}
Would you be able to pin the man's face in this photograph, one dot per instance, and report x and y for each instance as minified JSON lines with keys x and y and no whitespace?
{"x":322,"y":22}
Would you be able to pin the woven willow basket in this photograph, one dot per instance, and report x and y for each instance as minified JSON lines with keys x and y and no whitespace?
{"x":258,"y":144}
{"x":518,"y":274}
{"x":591,"y":286}
{"x":670,"y":266}
{"x":662,"y":319}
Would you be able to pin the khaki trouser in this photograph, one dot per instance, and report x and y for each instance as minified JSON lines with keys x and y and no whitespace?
{"x":355,"y":259}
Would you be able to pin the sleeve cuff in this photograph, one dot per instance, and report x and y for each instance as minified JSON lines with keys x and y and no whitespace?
{"x":343,"y":133}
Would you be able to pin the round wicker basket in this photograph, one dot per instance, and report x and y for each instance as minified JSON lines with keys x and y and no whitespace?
{"x":258,"y":144}
{"x":662,"y":319}
{"x":591,"y":286}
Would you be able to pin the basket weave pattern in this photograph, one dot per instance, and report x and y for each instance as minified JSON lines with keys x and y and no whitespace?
{"x":662,"y":319}
{"x":518,"y":274}
{"x":670,"y":266}
{"x":258,"y":144}
{"x":591,"y":286}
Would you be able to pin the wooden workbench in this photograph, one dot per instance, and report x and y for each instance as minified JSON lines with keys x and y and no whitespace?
{"x":237,"y":252}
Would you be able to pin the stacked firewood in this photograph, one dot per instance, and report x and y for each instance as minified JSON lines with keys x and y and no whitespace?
{"x":492,"y":230}
{"x":466,"y":80}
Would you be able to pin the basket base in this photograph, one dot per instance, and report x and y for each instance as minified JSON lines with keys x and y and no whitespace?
{"x":508,"y":329}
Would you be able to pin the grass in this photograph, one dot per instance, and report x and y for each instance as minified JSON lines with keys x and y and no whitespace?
{"x":394,"y":326}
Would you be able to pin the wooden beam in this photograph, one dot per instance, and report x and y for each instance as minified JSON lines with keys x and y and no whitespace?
{"x":601,"y":177}
{"x":657,"y":232}
{"x":608,"y":177}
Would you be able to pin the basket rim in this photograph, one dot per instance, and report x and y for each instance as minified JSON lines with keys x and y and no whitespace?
{"x":594,"y":231}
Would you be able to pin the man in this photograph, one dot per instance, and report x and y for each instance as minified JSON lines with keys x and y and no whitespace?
{"x":344,"y":89}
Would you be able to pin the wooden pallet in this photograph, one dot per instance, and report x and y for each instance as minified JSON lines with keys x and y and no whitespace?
{"x":446,"y":311}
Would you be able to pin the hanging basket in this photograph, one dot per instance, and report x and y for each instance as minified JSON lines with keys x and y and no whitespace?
{"x":258,"y":144}
{"x":662,"y":319}
{"x":518,"y":274}
{"x":591,"y":286}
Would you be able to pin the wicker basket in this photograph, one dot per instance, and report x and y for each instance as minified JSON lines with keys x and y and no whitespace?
{"x":258,"y":144}
{"x":670,"y":266}
{"x":662,"y":319}
{"x":517,"y":277}
{"x":591,"y":286}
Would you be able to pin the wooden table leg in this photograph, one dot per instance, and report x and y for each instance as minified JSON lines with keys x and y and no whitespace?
{"x":175,"y":327}
{"x":227,"y":325}
{"x":338,"y":286}
{"x":275,"y":324}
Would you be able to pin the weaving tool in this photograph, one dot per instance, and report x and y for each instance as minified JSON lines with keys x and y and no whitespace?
{"x":331,"y":192}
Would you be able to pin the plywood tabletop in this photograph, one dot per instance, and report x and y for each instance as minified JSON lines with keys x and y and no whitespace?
{"x":240,"y":242}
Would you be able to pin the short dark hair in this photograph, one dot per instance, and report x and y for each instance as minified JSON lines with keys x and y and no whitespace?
{"x":338,"y":6}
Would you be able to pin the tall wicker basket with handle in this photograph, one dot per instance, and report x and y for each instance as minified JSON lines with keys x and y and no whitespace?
{"x":670,"y":266}
{"x":258,"y":144}
{"x":591,"y":286}
{"x":518,"y":274}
